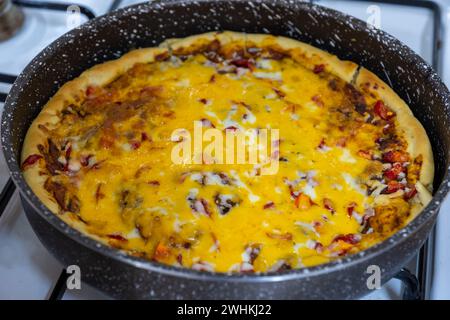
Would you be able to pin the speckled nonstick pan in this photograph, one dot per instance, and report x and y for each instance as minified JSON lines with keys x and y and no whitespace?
{"x":107,"y":37}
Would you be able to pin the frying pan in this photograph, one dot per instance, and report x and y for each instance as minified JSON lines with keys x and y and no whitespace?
{"x":144,"y":25}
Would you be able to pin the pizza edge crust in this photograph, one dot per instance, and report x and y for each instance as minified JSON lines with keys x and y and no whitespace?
{"x":413,"y":131}
{"x":104,"y":73}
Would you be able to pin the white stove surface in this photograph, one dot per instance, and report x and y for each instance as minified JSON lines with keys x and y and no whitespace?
{"x":28,"y":271}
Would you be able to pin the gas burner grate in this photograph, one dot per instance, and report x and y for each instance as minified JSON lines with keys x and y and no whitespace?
{"x":9,"y":79}
{"x":52,"y":6}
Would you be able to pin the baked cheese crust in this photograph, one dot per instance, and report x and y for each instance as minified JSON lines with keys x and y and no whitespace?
{"x":355,"y":165}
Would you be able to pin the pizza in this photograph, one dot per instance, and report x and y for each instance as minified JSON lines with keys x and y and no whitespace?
{"x":354,"y":164}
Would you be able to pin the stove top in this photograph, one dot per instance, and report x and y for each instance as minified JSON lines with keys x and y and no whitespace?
{"x":28,"y":271}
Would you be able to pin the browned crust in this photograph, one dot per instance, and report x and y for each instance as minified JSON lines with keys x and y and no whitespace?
{"x":412,"y":129}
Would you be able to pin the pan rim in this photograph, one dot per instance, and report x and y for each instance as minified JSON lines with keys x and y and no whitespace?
{"x":28,"y":195}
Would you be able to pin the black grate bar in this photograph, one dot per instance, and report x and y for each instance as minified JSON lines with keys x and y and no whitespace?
{"x":114,"y":5}
{"x":3,"y":97}
{"x":411,"y":285}
{"x":425,"y":266}
{"x":6,"y":195}
{"x":7,"y":78}
{"x":53,"y":6}
{"x":60,"y":286}
{"x":9,"y":188}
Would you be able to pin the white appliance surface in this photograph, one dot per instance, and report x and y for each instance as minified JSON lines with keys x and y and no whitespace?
{"x":28,"y":271}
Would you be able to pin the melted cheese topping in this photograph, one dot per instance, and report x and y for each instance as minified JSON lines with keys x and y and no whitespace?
{"x":119,"y":179}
